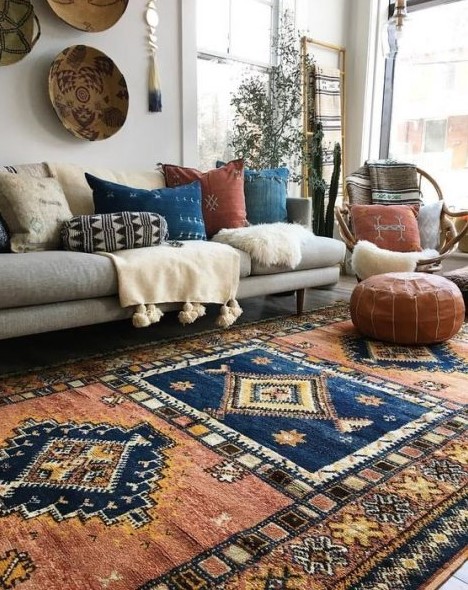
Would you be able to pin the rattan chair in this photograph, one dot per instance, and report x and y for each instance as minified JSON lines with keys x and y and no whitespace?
{"x":449,"y":236}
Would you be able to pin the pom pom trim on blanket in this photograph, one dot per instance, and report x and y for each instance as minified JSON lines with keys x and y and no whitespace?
{"x":147,"y":314}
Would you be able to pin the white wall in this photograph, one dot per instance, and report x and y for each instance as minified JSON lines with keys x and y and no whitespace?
{"x":30,"y":129}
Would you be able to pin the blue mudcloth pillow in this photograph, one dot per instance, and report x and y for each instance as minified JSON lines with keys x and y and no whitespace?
{"x":180,"y":206}
{"x":265,"y":194}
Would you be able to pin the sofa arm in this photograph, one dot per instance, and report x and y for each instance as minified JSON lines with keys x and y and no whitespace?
{"x":299,"y":210}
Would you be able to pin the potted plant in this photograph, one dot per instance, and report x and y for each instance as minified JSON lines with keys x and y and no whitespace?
{"x":267,"y":125}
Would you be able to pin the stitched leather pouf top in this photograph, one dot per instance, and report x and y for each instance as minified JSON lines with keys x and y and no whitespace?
{"x":407,"y":308}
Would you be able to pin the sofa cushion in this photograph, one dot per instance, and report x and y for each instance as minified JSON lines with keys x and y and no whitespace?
{"x":114,"y":231}
{"x":4,"y":237}
{"x":48,"y":277}
{"x":39,"y":170}
{"x":34,"y":210}
{"x":245,"y":263}
{"x":37,"y":278}
{"x":318,"y":252}
{"x":265,"y":195}
{"x":266,"y":192}
{"x":222,"y":190}
{"x":78,"y":192}
{"x":180,"y":206}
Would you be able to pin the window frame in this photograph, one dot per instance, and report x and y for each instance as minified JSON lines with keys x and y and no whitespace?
{"x":389,"y":73}
{"x":226,"y":57}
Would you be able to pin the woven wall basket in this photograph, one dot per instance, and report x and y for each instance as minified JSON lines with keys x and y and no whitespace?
{"x":89,"y":15}
{"x":88,"y":92}
{"x":17,"y":36}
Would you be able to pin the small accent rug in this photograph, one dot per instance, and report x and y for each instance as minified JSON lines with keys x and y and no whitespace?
{"x":289,"y":454}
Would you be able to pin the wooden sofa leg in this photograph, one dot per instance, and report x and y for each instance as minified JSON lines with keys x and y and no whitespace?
{"x":300,"y":294}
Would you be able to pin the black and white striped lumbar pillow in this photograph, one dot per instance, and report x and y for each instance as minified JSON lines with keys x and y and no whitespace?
{"x":114,"y":231}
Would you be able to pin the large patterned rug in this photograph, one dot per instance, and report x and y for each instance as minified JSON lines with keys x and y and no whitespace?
{"x":286,"y":455}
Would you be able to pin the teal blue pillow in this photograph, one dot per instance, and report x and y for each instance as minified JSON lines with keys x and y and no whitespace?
{"x":180,"y":206}
{"x":265,"y":194}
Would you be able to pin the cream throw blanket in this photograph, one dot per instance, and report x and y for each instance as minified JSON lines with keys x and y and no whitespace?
{"x":195,"y":273}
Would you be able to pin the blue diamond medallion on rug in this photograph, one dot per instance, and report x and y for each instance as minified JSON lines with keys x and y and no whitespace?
{"x":82,"y":470}
{"x":283,"y":403}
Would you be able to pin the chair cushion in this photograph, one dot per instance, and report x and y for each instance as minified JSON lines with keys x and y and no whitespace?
{"x":391,"y":227}
{"x":222,"y":190}
{"x":429,"y":225}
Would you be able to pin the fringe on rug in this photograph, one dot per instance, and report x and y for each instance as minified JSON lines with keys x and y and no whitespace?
{"x":145,"y":315}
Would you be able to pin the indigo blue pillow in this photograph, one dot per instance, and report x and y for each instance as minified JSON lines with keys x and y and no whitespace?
{"x":265,"y":194}
{"x":180,"y":206}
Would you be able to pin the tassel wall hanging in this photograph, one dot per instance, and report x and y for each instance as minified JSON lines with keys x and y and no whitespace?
{"x":154,"y":85}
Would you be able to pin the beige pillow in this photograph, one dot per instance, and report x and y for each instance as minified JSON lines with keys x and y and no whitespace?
{"x":34,"y":210}
{"x":78,"y":192}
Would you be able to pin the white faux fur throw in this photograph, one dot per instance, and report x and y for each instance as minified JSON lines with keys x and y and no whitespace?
{"x":270,"y":244}
{"x":197,"y":272}
{"x":368,"y":260}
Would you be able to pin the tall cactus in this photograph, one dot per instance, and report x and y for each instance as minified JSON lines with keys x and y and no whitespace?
{"x":333,"y":191}
{"x":317,"y":184}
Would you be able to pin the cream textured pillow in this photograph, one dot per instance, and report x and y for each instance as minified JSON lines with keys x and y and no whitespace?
{"x":34,"y":210}
{"x":80,"y":195}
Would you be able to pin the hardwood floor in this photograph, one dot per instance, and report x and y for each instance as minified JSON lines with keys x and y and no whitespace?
{"x":54,"y":348}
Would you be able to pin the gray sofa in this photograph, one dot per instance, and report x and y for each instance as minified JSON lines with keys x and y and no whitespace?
{"x":53,"y":290}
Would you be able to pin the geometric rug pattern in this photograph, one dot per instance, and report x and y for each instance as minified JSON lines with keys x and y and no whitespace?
{"x":288,"y":454}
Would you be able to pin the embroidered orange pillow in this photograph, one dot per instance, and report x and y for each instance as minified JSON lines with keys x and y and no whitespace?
{"x":391,"y":227}
{"x":223,"y":199}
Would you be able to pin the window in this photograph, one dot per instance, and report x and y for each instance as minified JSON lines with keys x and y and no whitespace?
{"x":425,"y":118}
{"x":233,"y":37}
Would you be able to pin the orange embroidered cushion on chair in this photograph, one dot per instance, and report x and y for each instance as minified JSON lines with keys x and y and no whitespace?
{"x":391,"y":227}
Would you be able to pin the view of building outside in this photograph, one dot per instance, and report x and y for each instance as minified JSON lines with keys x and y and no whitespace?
{"x":233,"y":39}
{"x":430,"y":98}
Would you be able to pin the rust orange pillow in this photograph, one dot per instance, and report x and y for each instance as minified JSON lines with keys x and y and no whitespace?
{"x":223,"y":199}
{"x":391,"y":227}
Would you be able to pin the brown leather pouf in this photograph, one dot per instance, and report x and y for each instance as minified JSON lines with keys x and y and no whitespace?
{"x":407,"y":308}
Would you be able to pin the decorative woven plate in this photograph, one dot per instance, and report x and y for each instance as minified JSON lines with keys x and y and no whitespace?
{"x":17,"y":36}
{"x":89,"y":15}
{"x":88,"y":92}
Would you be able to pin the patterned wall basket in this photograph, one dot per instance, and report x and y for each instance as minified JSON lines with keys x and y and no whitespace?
{"x":88,"y":92}
{"x":17,"y":36}
{"x":89,"y":15}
